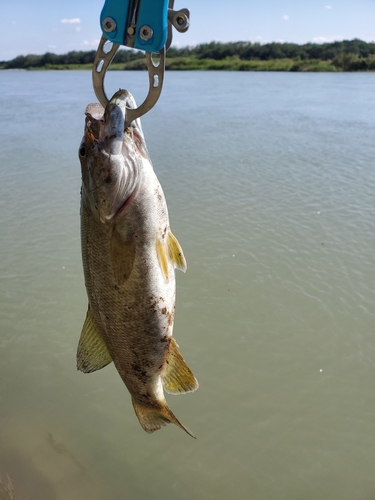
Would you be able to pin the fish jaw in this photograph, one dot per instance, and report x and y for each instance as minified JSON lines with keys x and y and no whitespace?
{"x":113,"y":130}
{"x":111,"y":157}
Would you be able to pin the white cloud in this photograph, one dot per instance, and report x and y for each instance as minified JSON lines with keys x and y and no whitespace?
{"x":285,"y":17}
{"x":325,"y":39}
{"x":328,"y":7}
{"x":320,"y":39}
{"x":74,"y":20}
{"x":93,"y":43}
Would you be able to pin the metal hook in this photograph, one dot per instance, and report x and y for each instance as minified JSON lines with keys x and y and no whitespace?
{"x":103,"y":58}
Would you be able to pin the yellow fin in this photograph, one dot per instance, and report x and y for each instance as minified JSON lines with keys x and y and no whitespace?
{"x":175,"y":253}
{"x":152,"y":419}
{"x":123,"y":254}
{"x":92,"y":353}
{"x":162,"y":257}
{"x":177,"y":377}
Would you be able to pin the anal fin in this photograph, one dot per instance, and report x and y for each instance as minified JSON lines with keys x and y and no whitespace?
{"x":92,"y":353}
{"x":177,"y":376}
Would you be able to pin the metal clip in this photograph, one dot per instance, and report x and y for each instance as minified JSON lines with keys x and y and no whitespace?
{"x":143,"y":26}
{"x":104,"y":55}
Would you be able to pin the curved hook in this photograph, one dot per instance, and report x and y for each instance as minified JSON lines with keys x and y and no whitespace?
{"x":103,"y":58}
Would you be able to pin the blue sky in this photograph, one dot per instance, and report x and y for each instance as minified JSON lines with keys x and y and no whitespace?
{"x":62,"y":25}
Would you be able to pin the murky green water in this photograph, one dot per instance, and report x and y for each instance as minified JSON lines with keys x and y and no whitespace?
{"x":270,"y":183}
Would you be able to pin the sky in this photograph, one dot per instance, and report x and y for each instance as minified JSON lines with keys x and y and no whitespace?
{"x":59,"y":26}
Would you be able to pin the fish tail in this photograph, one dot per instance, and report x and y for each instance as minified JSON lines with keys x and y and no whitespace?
{"x":152,"y":419}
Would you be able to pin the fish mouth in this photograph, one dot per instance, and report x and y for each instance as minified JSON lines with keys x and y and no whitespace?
{"x":121,"y":140}
{"x":114,"y":130}
{"x":114,"y":122}
{"x":116,"y":152}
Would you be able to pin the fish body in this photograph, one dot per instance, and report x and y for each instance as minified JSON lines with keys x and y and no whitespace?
{"x":129,"y":256}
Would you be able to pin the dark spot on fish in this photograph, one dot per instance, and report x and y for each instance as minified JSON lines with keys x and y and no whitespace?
{"x":144,"y":398}
{"x":108,"y":179}
{"x":160,"y":367}
{"x":139,"y":370}
{"x":164,"y":339}
{"x":161,"y":298}
{"x":164,"y":310}
{"x":170,"y":319}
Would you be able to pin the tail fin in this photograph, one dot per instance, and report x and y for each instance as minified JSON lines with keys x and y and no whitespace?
{"x":152,"y":419}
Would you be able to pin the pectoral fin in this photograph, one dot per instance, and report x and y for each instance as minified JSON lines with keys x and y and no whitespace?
{"x":122,"y":254}
{"x":175,"y":253}
{"x":177,"y":376}
{"x":92,"y":353}
{"x":161,"y":252}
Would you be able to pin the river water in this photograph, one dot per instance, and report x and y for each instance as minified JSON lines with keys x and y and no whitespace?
{"x":270,"y":181}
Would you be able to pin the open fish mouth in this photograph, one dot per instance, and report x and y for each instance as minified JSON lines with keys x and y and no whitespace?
{"x":114,"y":154}
{"x":114,"y":122}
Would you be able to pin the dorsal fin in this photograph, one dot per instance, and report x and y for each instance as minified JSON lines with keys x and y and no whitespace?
{"x":177,"y":376}
{"x":92,"y":353}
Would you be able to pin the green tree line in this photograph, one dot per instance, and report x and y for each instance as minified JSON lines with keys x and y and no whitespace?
{"x":346,"y":55}
{"x":74,"y":57}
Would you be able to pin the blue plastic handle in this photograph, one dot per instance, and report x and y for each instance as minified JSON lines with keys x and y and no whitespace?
{"x":118,"y":11}
{"x":152,"y":14}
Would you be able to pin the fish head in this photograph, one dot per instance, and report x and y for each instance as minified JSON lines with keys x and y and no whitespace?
{"x":111,"y":156}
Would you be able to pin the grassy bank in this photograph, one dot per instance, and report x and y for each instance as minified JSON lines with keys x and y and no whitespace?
{"x":228,"y":64}
{"x":348,"y":55}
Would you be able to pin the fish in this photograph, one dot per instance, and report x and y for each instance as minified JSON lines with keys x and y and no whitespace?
{"x":129,"y":257}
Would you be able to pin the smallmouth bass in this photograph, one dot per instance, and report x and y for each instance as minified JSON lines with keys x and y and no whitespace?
{"x":129,"y":258}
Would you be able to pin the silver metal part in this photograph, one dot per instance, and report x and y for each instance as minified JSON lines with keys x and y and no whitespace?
{"x":103,"y":58}
{"x":109,"y":25}
{"x":146,"y":33}
{"x":180,"y":19}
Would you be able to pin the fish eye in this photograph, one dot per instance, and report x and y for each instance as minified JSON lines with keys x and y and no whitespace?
{"x":82,"y":150}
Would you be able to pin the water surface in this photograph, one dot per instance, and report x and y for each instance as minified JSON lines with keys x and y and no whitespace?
{"x":270,"y":181}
